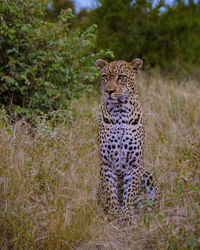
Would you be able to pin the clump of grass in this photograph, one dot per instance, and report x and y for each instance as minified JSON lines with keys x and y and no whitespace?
{"x":49,"y":176}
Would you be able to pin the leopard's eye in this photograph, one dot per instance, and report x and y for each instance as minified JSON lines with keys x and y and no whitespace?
{"x":104,"y":77}
{"x":120,"y":77}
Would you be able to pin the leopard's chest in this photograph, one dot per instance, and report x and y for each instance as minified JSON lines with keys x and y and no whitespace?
{"x":121,"y":145}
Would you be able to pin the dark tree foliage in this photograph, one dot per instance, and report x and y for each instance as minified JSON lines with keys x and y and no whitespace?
{"x":168,"y":37}
{"x":54,"y":9}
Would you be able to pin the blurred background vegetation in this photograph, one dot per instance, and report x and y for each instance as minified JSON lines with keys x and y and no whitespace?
{"x":48,"y":49}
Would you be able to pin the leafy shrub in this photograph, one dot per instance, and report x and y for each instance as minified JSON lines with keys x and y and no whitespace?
{"x":43,"y":64}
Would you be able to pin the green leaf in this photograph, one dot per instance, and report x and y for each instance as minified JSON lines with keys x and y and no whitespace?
{"x":191,"y":242}
{"x":8,"y":131}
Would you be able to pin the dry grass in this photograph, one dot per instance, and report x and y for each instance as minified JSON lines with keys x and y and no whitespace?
{"x":48,"y":180}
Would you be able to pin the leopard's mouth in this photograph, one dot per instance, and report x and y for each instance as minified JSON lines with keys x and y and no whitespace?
{"x":120,"y":99}
{"x":112,"y":100}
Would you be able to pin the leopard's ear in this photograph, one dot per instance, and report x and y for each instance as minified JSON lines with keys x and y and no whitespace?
{"x":136,"y":64}
{"x":100,"y":64}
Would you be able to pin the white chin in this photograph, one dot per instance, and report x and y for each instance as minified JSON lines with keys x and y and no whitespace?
{"x":112,"y":100}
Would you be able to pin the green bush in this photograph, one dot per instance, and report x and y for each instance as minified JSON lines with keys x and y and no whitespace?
{"x":43,"y":64}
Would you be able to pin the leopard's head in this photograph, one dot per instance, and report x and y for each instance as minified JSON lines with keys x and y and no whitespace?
{"x":118,"y":79}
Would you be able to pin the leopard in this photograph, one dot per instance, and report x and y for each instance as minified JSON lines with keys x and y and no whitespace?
{"x":121,"y":135}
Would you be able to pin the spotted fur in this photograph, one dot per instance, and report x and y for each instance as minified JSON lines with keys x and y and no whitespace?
{"x":121,"y":140}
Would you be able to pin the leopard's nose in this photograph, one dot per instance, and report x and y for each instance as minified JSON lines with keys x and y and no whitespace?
{"x":110,"y":92}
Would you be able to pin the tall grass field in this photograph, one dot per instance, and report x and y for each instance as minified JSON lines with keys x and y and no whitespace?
{"x":49,"y":176}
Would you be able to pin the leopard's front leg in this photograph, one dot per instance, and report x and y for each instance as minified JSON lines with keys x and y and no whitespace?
{"x":108,"y":190}
{"x":130,"y":194}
